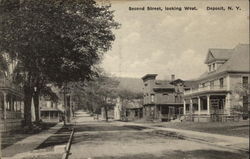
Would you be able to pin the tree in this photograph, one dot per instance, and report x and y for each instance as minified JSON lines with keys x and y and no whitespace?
{"x":241,"y":96}
{"x":127,"y":94}
{"x":107,"y":91}
{"x":97,"y":93}
{"x":55,"y":41}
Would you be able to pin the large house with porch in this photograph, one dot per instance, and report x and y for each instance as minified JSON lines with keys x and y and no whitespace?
{"x":217,"y":96}
{"x":162,"y":99}
{"x":11,"y":98}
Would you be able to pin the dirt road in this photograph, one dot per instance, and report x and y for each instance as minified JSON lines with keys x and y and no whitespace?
{"x":101,"y":140}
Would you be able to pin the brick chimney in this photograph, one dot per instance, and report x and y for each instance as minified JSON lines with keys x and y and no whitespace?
{"x":172,"y":77}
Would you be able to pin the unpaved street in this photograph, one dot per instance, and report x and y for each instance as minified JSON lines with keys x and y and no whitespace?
{"x":101,"y":140}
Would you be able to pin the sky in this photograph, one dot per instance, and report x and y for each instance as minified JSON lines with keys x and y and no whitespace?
{"x":173,"y":42}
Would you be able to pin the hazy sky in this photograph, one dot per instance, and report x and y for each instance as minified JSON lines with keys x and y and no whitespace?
{"x":173,"y":42}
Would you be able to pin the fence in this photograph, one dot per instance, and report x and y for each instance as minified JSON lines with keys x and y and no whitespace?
{"x":213,"y":117}
{"x":68,"y":146}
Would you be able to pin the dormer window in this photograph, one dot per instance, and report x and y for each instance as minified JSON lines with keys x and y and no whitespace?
{"x":212,"y":67}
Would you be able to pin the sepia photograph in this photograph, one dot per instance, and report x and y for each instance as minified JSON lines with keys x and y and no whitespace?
{"x":124,"y":79}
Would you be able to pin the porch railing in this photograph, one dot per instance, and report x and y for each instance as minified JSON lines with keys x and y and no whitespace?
{"x":213,"y":117}
{"x":6,"y":83}
{"x":207,"y":88}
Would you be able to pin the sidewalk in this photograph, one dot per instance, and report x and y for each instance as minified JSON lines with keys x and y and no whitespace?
{"x":231,"y":142}
{"x":30,"y":143}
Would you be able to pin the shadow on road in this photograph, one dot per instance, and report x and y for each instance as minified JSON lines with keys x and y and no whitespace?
{"x":195,"y":154}
{"x":59,"y":138}
{"x":85,"y":127}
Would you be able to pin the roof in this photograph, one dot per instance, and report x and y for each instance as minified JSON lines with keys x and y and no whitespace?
{"x":148,"y":76}
{"x":134,"y":104}
{"x":191,"y":84}
{"x":50,"y":109}
{"x":218,"y":54}
{"x":238,"y":62}
{"x":176,"y":81}
{"x":161,"y":85}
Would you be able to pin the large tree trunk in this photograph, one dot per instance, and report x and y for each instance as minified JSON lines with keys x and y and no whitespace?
{"x":36,"y":105}
{"x":27,"y":105}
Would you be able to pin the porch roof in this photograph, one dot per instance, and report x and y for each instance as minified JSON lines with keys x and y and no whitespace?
{"x":205,"y":93}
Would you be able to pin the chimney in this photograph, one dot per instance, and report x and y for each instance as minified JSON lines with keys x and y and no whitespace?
{"x":172,"y":77}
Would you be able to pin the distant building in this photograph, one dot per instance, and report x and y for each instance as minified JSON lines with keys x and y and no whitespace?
{"x":128,"y":109}
{"x":163,"y":100}
{"x":216,"y":97}
{"x":134,"y":109}
{"x":50,"y":110}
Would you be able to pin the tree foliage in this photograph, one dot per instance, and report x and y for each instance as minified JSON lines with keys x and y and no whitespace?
{"x":55,"y":41}
{"x":97,"y":93}
{"x":127,"y":94}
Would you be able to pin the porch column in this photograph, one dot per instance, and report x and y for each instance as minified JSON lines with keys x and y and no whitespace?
{"x":208,"y":104}
{"x":228,"y":104}
{"x":199,"y":106}
{"x":184,"y":107}
{"x":191,"y":106}
{"x":4,"y":104}
{"x":160,"y":112}
{"x":11,"y":103}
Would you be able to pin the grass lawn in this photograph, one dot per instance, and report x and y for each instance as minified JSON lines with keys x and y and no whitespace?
{"x":240,"y":128}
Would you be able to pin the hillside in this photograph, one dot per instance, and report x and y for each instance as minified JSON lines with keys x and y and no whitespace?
{"x":132,"y":84}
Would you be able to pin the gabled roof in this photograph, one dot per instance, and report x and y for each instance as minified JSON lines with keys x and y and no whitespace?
{"x":191,"y":84}
{"x":218,"y":54}
{"x":238,"y":62}
{"x":162,"y":85}
{"x":176,"y":81}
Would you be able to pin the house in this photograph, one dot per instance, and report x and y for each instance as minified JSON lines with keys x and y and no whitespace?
{"x":162,"y":100}
{"x":128,"y":109}
{"x":11,"y":98}
{"x":217,"y":94}
{"x":50,"y":110}
{"x":134,"y":109}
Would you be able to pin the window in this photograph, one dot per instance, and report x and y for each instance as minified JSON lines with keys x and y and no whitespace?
{"x":213,"y":66}
{"x":145,"y":84}
{"x":245,"y":103}
{"x":221,"y":82}
{"x":211,"y":84}
{"x":245,"y":82}
{"x":176,"y":99}
{"x":152,"y":97}
{"x":203,"y":85}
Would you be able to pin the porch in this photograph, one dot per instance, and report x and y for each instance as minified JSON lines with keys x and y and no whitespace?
{"x":51,"y":115}
{"x":204,"y":108}
{"x":11,"y":110}
{"x":163,"y":112}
